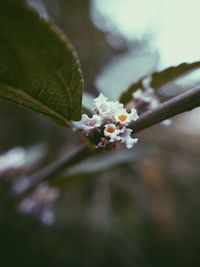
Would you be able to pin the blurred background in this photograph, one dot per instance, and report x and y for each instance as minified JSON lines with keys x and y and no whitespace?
{"x":124,"y":208}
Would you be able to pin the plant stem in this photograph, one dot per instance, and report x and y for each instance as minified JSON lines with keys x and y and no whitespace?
{"x":56,"y":167}
{"x":179,"y":104}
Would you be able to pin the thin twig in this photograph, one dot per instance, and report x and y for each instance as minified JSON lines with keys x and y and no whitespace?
{"x":55,"y":167}
{"x":179,"y":104}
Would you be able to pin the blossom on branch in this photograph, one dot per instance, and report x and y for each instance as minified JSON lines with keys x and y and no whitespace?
{"x":112,"y":132}
{"x":125,"y":118}
{"x":145,"y":99}
{"x":108,"y":126}
{"x":87,"y":124}
{"x":126,"y":137}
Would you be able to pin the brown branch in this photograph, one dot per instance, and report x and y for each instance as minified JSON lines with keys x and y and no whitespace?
{"x":54,"y":168}
{"x":179,"y":104}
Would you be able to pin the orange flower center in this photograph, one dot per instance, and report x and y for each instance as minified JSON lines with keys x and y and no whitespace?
{"x":110,"y":130}
{"x":122,"y":118}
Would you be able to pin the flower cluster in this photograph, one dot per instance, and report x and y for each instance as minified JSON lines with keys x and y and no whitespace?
{"x":145,"y":99}
{"x":108,"y":126}
{"x":40,"y":203}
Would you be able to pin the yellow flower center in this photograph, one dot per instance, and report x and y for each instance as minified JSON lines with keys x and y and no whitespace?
{"x":122,"y":118}
{"x":110,"y":130}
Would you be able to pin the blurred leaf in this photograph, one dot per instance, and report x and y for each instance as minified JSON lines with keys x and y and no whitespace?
{"x":161,"y":78}
{"x":39,"y":69}
{"x":104,"y":162}
{"x":101,"y":163}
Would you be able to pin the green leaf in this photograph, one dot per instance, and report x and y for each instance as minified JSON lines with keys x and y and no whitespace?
{"x":39,"y":69}
{"x":161,"y":78}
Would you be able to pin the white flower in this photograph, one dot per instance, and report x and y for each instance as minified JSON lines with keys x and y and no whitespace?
{"x":146,"y":82}
{"x":14,"y":159}
{"x":100,"y":99}
{"x":115,"y":106}
{"x":141,"y":96}
{"x":101,"y":104}
{"x":112,"y":132}
{"x":106,"y":109}
{"x":110,"y":121}
{"x":147,"y":95}
{"x":124,"y":118}
{"x":87,"y":124}
{"x":150,"y":100}
{"x":127,"y":139}
{"x":147,"y":99}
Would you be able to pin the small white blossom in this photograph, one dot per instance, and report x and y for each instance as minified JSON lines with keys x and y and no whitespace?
{"x":112,"y":132}
{"x":127,"y":139}
{"x":12,"y":160}
{"x":19,"y":159}
{"x":110,"y":121}
{"x":87,"y":124}
{"x":146,"y":99}
{"x":124,"y":118}
{"x":142,"y":96}
{"x":101,"y":99}
{"x":106,"y":109}
{"x":147,"y":95}
{"x":115,"y":106}
{"x":101,"y":104}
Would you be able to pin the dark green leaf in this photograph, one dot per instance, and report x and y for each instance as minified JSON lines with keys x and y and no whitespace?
{"x":38,"y":67}
{"x":160,"y":78}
